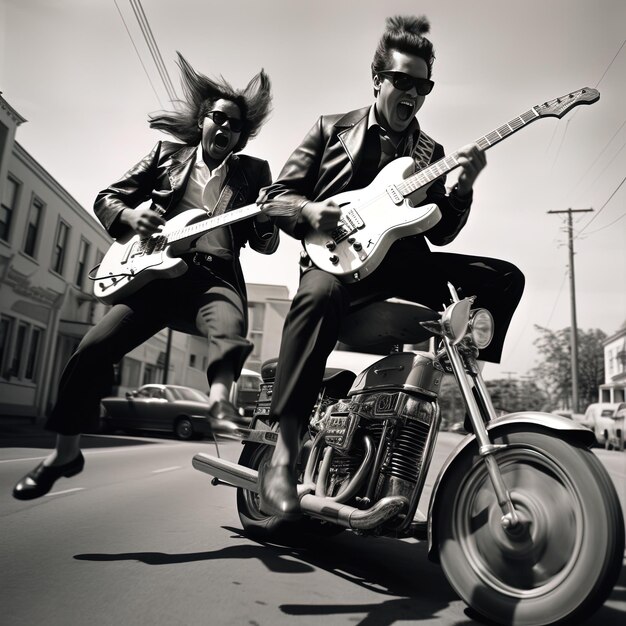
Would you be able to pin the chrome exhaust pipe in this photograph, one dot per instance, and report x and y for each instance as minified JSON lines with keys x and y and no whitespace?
{"x":349,"y":516}
{"x":227,"y":471}
{"x":315,"y":506}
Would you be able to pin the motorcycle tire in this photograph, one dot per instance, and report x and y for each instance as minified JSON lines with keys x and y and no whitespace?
{"x":259,"y":524}
{"x":562,"y":563}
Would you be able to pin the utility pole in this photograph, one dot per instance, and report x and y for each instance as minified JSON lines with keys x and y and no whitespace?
{"x":572,"y":290}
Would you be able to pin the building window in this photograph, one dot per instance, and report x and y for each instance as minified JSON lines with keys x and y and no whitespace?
{"x":131,"y":369}
{"x":10,"y":197}
{"x":256,"y":312}
{"x":6,"y":328}
{"x":33,"y":226}
{"x":33,"y":354}
{"x":81,"y":267}
{"x":152,"y":374}
{"x":192,"y":360}
{"x":257,"y":340}
{"x":60,"y":247}
{"x":19,"y":350}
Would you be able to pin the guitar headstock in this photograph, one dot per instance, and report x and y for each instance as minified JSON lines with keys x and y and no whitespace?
{"x":560,"y":106}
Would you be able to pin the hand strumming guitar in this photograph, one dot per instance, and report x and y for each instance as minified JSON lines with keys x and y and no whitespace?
{"x":322,"y":215}
{"x":143,"y":221}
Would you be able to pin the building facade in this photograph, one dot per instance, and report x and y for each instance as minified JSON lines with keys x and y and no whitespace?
{"x":48,"y":245}
{"x":614,"y":387}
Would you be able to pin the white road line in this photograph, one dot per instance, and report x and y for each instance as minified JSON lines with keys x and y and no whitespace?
{"x":90,"y":452}
{"x":167,"y":469}
{"x":58,"y":493}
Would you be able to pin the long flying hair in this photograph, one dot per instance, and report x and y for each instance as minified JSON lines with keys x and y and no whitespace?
{"x":404,"y":33}
{"x":201,"y":92}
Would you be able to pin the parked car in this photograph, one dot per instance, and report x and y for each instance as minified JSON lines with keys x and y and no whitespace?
{"x":602,"y":415}
{"x":580,"y":418}
{"x":616,"y":429}
{"x":160,"y":408}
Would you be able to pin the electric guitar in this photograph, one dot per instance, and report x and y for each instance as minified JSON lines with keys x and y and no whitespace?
{"x":133,"y":261}
{"x":384,"y":211}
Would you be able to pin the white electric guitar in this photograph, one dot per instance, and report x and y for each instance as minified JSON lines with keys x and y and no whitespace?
{"x":132,"y":262}
{"x":384,"y":211}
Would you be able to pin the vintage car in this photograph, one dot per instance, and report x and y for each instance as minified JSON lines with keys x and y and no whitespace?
{"x":165,"y":408}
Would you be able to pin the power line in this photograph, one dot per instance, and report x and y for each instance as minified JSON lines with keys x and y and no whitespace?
{"x":608,"y":143}
{"x":611,"y":63}
{"x":138,"y":55}
{"x":153,"y":48}
{"x":606,"y":167}
{"x":621,"y":217}
{"x":558,"y":297}
{"x":600,"y":209}
{"x":601,"y":79}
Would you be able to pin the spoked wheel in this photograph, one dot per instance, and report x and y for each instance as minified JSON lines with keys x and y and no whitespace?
{"x":257,"y":523}
{"x":561,"y":561}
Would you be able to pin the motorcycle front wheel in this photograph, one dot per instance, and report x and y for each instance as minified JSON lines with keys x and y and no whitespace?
{"x":561,"y":562}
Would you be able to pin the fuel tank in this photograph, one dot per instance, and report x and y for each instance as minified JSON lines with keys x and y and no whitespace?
{"x":416,"y":372}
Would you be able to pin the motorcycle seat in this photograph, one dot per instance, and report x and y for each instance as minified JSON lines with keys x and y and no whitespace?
{"x":391,"y":321}
{"x":337,"y":381}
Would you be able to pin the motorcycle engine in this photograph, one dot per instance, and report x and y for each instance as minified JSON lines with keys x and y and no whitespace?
{"x":400,"y":425}
{"x":394,"y":402}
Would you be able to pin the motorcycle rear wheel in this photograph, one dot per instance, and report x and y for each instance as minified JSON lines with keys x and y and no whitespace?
{"x":261,"y":525}
{"x":562,"y":563}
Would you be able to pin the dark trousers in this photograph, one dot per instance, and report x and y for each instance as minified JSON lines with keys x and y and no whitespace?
{"x":199,"y":302}
{"x":322,"y":302}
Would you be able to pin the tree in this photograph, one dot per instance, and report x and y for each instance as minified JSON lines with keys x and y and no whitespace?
{"x":555,"y":367}
{"x":510,"y":395}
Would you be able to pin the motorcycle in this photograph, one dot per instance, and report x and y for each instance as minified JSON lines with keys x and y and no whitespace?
{"x":523,"y":518}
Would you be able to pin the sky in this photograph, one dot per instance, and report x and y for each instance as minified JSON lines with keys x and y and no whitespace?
{"x":81,"y":74}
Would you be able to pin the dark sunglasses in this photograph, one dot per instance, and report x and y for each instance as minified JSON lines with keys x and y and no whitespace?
{"x":404,"y":82}
{"x":220,"y":118}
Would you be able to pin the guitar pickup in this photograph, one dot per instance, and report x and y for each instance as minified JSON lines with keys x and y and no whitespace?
{"x":394,"y":194}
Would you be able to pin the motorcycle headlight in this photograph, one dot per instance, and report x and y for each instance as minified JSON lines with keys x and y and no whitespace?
{"x":481,"y":328}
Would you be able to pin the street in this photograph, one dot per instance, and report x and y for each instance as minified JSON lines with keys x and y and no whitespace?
{"x":140,"y":537}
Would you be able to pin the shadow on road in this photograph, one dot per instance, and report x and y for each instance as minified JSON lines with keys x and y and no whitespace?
{"x":416,"y":589}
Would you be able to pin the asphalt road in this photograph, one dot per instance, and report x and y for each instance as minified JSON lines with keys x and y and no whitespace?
{"x":140,"y":537}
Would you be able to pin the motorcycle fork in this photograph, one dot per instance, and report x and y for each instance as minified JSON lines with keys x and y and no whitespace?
{"x":469,"y":378}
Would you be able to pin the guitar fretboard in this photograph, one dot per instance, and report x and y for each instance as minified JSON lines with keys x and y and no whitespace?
{"x":450,"y":162}
{"x":199,"y":228}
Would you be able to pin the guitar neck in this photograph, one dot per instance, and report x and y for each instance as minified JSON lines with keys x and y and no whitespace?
{"x":200,"y":228}
{"x":450,"y":162}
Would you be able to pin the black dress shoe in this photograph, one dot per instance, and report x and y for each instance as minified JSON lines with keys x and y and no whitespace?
{"x":278,"y":494}
{"x":38,"y":482}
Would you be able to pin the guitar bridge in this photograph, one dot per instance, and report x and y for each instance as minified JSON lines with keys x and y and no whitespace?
{"x":350,"y":222}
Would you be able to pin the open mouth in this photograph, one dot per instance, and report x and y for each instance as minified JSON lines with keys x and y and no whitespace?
{"x":221,"y":141}
{"x":405,"y":109}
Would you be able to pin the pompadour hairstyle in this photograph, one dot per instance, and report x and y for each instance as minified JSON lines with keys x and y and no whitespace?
{"x":404,"y":33}
{"x":201,"y":92}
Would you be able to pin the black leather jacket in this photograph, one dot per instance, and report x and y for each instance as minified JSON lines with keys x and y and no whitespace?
{"x":161,"y":177}
{"x":324,"y":163}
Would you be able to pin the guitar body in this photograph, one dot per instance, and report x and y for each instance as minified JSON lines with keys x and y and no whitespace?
{"x":131,"y":263}
{"x":375,"y":217}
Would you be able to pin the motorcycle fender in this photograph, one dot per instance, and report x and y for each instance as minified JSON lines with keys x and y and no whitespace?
{"x":566,"y":428}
